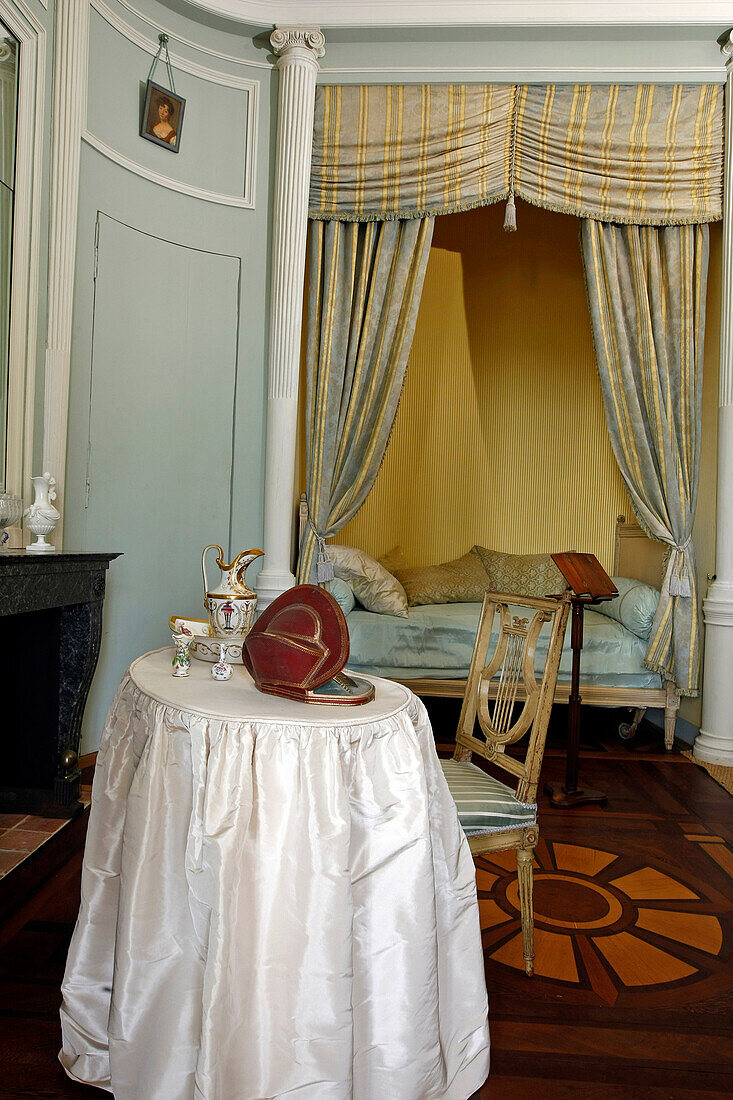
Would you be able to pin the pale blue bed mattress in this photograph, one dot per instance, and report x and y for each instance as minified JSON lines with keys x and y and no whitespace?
{"x":436,"y":641}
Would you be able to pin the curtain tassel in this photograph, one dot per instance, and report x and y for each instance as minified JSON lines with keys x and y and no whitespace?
{"x":679,"y":578}
{"x":679,"y":582}
{"x":510,"y":215}
{"x":324,"y":565}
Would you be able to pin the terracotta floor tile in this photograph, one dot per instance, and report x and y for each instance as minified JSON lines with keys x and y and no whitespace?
{"x":8,"y":860}
{"x":22,"y":840}
{"x":7,"y":821}
{"x":48,"y":825}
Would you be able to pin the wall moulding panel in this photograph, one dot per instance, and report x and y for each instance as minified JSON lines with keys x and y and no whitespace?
{"x":216,"y":161}
{"x":21,"y":22}
{"x":511,"y":74}
{"x":150,"y":45}
{"x":164,"y":181}
{"x":231,"y":59}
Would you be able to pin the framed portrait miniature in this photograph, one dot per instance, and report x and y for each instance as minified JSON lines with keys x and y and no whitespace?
{"x":162,"y":119}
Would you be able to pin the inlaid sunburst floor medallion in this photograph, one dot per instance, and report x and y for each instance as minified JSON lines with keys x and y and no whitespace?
{"x":619,"y":929}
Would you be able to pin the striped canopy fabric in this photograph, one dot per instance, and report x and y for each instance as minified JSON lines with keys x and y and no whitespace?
{"x":646,"y":290}
{"x":646,"y":154}
{"x":405,"y":151}
{"x":364,"y":287}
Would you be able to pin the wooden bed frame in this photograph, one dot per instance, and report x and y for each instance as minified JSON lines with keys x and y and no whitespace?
{"x":635,"y":555}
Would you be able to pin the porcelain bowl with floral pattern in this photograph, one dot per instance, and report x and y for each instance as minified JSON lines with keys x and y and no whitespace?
{"x":205,"y":647}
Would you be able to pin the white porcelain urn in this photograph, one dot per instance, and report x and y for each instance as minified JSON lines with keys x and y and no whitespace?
{"x":42,"y":517}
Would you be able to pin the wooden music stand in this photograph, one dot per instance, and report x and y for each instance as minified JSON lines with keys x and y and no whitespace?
{"x":590,"y":584}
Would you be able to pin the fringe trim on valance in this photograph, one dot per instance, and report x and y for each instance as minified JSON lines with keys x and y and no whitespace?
{"x":457,"y":208}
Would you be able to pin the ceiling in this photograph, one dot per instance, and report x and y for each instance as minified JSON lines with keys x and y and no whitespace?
{"x":437,"y":13}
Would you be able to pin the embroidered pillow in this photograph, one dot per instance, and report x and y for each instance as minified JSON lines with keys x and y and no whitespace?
{"x":522,"y":574}
{"x":463,"y":580}
{"x":375,"y":588}
{"x":393,"y":560}
{"x":634,"y":607}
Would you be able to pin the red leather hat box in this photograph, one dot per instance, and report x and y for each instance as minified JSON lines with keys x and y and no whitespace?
{"x":300,"y":644}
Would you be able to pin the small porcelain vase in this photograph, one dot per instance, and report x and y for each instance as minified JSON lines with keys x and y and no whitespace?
{"x":182,"y":657}
{"x":221,"y":670}
{"x":42,"y":517}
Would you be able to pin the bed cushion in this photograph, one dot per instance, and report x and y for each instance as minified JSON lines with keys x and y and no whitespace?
{"x":436,"y":641}
{"x":634,"y":607}
{"x":484,"y":804}
{"x":521,"y":574}
{"x":463,"y":580}
{"x":375,"y":588}
{"x":343,"y":594}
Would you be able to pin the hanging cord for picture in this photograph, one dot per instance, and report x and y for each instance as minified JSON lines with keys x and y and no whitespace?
{"x":510,"y":214}
{"x":163,"y":47}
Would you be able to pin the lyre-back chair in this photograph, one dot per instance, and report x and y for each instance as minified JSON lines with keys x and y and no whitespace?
{"x":493,"y":815}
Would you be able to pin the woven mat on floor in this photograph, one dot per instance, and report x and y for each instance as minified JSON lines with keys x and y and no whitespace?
{"x":720,"y":773}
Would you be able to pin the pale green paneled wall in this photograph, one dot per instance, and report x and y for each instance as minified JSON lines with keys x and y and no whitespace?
{"x":216,"y":493}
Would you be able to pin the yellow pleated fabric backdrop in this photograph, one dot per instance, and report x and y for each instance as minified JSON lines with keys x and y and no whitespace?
{"x":500,"y":437}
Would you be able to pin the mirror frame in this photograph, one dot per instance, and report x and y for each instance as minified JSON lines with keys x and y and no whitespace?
{"x":25,"y":287}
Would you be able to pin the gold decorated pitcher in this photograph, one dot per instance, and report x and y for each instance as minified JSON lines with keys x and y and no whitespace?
{"x":231,"y":605}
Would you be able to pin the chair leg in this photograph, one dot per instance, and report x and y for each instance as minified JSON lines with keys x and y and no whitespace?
{"x":672,"y":705}
{"x":525,"y":858}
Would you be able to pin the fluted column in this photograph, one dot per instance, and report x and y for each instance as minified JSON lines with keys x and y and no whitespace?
{"x":715,"y":741}
{"x":298,"y":50}
{"x":69,"y":109}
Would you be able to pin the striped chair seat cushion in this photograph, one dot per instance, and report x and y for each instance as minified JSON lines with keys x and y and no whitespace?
{"x":484,"y":804}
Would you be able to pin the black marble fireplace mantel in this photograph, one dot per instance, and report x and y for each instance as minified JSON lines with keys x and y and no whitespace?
{"x":50,"y":633}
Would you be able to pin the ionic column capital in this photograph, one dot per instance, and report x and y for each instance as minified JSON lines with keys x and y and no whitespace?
{"x":726,"y":48}
{"x":298,"y":44}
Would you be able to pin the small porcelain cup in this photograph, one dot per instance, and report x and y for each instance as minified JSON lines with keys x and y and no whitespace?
{"x":182,"y":656}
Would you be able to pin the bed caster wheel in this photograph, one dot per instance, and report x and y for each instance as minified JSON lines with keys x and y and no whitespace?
{"x":627,"y":731}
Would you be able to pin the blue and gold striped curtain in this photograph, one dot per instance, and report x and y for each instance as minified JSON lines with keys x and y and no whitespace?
{"x":364,"y":287}
{"x":640,"y":153}
{"x":646,"y":288}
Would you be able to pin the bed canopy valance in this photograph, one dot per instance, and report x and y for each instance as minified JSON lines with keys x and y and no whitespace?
{"x":387,"y":159}
{"x":646,"y":154}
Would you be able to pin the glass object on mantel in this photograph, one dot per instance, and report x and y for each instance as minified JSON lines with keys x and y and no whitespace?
{"x":11,"y":512}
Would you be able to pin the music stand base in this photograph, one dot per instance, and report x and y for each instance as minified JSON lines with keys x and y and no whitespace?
{"x":582,"y":796}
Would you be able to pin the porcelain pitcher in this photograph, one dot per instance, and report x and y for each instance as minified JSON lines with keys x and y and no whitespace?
{"x":231,"y":604}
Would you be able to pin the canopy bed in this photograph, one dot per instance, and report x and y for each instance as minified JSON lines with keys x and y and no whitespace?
{"x":430,"y":649}
{"x":641,"y":166}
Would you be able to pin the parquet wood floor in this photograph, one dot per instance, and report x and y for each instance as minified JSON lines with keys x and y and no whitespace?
{"x":633,"y":995}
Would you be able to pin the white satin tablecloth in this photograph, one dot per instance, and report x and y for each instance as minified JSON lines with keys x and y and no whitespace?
{"x":277,"y":901}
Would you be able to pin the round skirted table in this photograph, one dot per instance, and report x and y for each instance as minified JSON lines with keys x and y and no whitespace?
{"x":277,"y":901}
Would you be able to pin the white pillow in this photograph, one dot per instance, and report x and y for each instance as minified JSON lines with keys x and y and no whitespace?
{"x":373,"y":586}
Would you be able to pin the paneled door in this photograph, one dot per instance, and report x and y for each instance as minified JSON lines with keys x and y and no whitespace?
{"x":161,"y":414}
